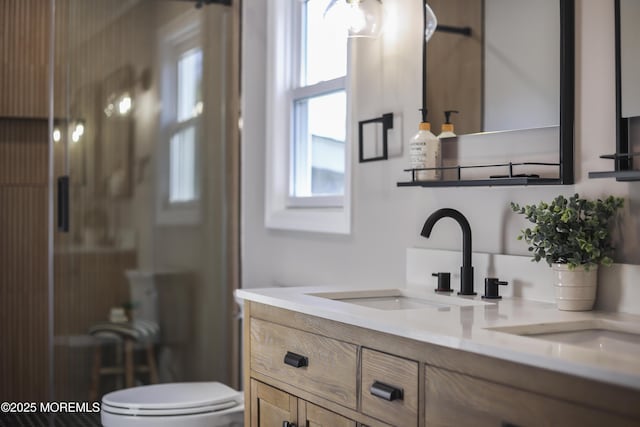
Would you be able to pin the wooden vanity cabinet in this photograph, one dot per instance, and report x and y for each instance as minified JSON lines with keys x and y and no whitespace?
{"x":302,"y":370}
{"x":353,"y":376}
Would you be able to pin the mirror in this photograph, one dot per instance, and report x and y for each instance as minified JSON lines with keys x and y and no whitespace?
{"x":506,"y":75}
{"x":628,"y":78}
{"x":114,"y":156}
{"x":630,"y":57}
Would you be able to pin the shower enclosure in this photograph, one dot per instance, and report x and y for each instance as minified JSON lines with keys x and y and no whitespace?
{"x":119,"y":181}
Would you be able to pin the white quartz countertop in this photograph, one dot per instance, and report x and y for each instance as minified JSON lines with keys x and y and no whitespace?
{"x":468,"y":328}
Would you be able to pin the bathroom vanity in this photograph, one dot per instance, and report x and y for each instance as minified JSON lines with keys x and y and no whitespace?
{"x":313,"y":358}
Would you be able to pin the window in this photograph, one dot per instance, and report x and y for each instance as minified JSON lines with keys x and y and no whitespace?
{"x":183,"y":186}
{"x":308,"y":144}
{"x":182,"y":105}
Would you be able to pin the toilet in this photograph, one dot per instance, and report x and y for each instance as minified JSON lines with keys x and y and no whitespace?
{"x":193,"y":404}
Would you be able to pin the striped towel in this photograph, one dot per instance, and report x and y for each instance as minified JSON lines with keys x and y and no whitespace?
{"x":139,"y":330}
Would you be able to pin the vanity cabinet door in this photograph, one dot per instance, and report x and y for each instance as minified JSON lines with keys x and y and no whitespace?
{"x":389,"y":388}
{"x":311,"y":415}
{"x":454,"y":399}
{"x":271,"y":407}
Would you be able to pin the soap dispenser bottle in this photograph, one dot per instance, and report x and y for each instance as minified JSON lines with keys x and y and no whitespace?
{"x":447,"y":127}
{"x":424,"y":151}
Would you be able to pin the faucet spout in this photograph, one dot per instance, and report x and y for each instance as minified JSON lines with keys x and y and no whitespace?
{"x":466,"y":271}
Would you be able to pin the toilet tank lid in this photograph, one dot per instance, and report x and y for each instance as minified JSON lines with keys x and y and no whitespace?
{"x":173,"y":396}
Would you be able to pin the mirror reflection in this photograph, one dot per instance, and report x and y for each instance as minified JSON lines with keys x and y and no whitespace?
{"x":505,"y":75}
{"x":630,"y":57}
{"x":113,"y":162}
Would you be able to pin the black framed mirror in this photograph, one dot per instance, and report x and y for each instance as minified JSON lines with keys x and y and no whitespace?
{"x":480,"y":64}
{"x":627,"y":80}
{"x":627,"y":68}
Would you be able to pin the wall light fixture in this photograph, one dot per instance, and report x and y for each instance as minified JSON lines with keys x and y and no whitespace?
{"x":119,"y":104}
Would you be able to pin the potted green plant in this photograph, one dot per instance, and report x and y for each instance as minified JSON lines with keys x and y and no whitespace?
{"x":573,"y":236}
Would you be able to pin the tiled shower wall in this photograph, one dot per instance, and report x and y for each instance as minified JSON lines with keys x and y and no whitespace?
{"x":24,"y":171}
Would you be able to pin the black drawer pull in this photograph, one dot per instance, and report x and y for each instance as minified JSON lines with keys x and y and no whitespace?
{"x":295,"y":360}
{"x":508,"y":424}
{"x":386,"y":392}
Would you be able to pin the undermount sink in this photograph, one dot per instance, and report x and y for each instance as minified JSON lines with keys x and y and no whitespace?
{"x":597,"y":334}
{"x":398,"y":299}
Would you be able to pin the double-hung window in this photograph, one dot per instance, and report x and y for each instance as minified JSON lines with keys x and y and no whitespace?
{"x":182,"y":105}
{"x":307,"y":112}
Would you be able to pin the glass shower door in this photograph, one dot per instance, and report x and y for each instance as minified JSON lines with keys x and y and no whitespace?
{"x":146,"y":134}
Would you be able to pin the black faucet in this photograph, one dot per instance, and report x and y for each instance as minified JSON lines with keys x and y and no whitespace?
{"x":466,"y":271}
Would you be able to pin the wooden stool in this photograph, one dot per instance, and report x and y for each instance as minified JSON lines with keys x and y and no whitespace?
{"x":125,"y":337}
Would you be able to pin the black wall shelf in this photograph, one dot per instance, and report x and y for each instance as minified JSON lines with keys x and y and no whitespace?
{"x":623,"y":175}
{"x":620,"y":174}
{"x":510,"y":178}
{"x":492,"y":182}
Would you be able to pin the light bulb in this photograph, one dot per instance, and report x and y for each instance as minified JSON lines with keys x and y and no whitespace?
{"x":197,"y":109}
{"x":431,"y":24}
{"x":361,"y":18}
{"x":356,"y":19}
{"x":108,"y":111}
{"x":79,"y":129}
{"x":56,"y":135}
{"x":124,"y":105}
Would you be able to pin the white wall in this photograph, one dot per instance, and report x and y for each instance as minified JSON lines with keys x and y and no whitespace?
{"x":388,"y":219}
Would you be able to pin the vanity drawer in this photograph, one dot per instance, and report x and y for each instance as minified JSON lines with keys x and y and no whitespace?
{"x":328,"y":367}
{"x":457,"y":399}
{"x":389,"y":388}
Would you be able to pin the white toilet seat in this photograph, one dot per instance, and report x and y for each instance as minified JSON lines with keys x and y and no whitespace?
{"x":140,"y":412}
{"x":173,"y":400}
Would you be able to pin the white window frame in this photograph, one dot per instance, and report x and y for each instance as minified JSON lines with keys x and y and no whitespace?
{"x":328,"y":214}
{"x":177,"y":37}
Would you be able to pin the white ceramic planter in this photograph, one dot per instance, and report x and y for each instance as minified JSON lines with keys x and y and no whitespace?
{"x":575,"y":289}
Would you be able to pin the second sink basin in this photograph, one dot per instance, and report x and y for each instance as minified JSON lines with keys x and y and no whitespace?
{"x":602,"y":335}
{"x":398,"y":299}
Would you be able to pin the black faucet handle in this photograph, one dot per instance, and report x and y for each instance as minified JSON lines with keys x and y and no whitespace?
{"x":444,"y":282}
{"x":491,"y":290}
